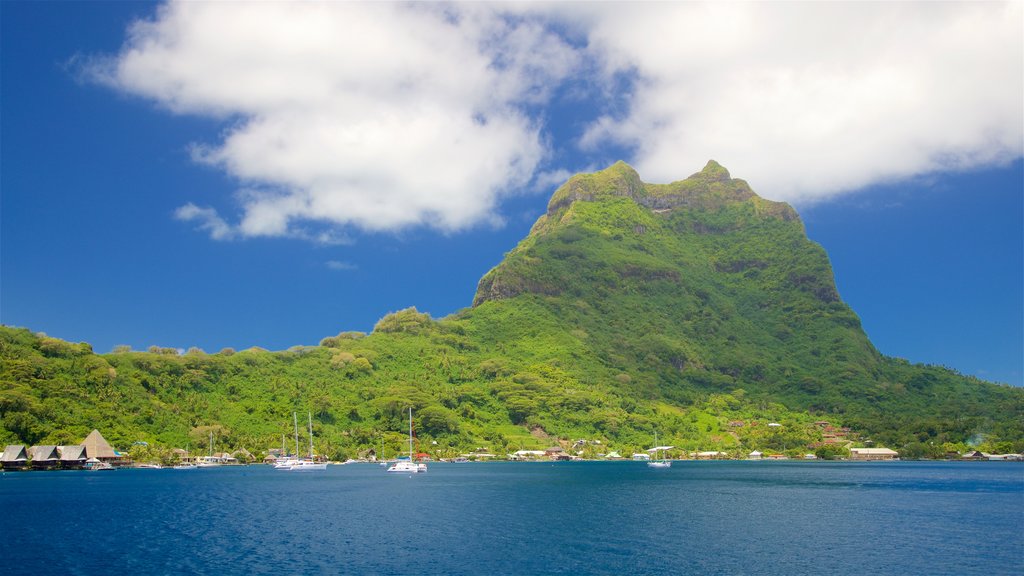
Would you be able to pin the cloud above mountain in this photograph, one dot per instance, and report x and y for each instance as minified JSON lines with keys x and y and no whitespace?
{"x":808,"y":100}
{"x":383,"y":116}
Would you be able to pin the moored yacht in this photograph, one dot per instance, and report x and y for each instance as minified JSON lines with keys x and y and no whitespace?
{"x":409,"y":466}
{"x":659,"y":462}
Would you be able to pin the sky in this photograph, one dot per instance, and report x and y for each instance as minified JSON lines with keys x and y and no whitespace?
{"x":213,"y":174}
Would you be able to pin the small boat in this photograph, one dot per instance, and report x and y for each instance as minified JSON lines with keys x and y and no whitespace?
{"x":95,"y":465}
{"x":149,"y":466}
{"x":658,"y":462}
{"x":409,"y":466}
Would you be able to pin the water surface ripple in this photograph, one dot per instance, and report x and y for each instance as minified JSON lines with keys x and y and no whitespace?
{"x":715,"y":518}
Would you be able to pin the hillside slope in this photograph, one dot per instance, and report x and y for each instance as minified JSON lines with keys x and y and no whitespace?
{"x":629,"y":308}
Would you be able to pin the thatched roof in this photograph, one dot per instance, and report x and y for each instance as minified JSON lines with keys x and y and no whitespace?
{"x":43,"y":453}
{"x":72,"y":453}
{"x":14,"y":453}
{"x":97,"y":447}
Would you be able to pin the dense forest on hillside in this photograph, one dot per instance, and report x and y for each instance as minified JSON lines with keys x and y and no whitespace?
{"x":696,"y":310}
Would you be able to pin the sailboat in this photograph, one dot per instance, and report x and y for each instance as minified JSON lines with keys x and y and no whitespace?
{"x":409,"y":466}
{"x":211,"y":460}
{"x":383,"y":462}
{"x":308,"y":463}
{"x":287,"y":462}
{"x":658,"y":462}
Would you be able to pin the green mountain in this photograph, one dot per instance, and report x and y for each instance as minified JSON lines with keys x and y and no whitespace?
{"x":696,"y":309}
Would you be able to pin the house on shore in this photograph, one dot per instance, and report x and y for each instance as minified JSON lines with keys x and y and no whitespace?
{"x":181,"y":456}
{"x":526,"y":455}
{"x":873,"y":454}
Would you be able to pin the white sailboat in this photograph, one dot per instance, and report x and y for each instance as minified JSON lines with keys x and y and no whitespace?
{"x":309,"y":463}
{"x":383,"y":462}
{"x":211,"y":460}
{"x":305,"y":464}
{"x":286,"y":462}
{"x":658,"y":462}
{"x":409,"y":466}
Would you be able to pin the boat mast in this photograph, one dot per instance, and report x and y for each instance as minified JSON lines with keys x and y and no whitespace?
{"x":211,"y":443}
{"x":310,"y":435}
{"x":411,"y":459}
{"x":295,"y":418}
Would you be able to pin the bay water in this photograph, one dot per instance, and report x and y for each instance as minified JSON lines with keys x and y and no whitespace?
{"x":794,"y":518}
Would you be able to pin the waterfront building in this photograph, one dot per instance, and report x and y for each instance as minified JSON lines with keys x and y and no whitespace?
{"x":97,"y":447}
{"x":873,"y":454}
{"x":43,"y":457}
{"x":71,"y":457}
{"x":15,"y":457}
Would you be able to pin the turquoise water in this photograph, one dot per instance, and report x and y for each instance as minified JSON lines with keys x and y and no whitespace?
{"x":901,"y":518}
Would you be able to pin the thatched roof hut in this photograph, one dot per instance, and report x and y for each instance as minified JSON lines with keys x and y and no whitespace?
{"x":40,"y":454}
{"x":71,"y":456}
{"x":97,"y":447}
{"x":14,"y":456}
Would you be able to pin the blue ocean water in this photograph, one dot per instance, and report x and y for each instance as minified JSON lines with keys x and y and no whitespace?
{"x":794,"y":518}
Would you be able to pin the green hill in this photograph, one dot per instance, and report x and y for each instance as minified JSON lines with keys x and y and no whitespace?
{"x":697,"y":309}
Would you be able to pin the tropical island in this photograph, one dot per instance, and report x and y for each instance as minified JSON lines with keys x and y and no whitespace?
{"x":695,"y":310}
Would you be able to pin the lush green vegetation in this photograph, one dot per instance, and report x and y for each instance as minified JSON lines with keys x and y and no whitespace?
{"x":694,"y":309}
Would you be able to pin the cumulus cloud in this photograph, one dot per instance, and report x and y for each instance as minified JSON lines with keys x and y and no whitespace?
{"x":807,"y":100}
{"x":207,"y":219}
{"x":381,"y":116}
{"x":378,"y":116}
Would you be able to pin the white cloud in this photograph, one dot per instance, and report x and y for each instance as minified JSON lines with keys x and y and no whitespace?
{"x":381,"y":116}
{"x":208,"y":220}
{"x":378,"y":116}
{"x":339,"y":265}
{"x":807,"y":100}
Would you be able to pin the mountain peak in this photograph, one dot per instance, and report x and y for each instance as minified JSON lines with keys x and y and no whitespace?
{"x":711,"y":188}
{"x":713,"y":171}
{"x":619,"y":179}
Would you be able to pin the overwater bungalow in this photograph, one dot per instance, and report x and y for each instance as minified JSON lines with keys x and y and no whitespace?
{"x":71,"y":457}
{"x":15,"y":457}
{"x":44,"y":457}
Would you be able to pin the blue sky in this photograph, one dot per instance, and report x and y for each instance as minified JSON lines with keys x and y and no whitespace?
{"x":225,"y":175}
